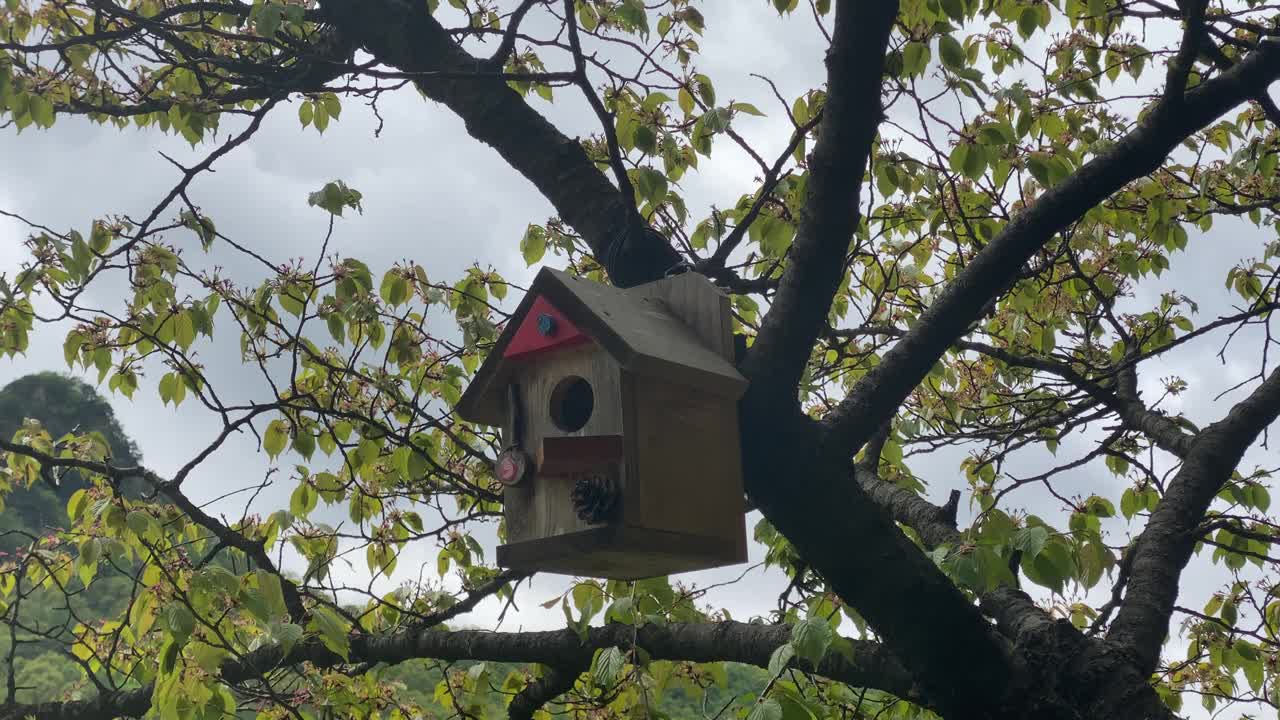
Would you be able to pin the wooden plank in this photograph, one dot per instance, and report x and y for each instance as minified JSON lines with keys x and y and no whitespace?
{"x":689,"y":463}
{"x":617,"y":553}
{"x":542,"y":505}
{"x":699,"y":304}
{"x":566,"y":455}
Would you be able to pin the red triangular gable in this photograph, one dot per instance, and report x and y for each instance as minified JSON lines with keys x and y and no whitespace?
{"x":543,"y":328}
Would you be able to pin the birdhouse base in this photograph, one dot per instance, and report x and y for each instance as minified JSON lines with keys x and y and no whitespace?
{"x":617,"y":552}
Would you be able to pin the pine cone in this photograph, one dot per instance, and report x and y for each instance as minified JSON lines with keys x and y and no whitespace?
{"x":595,"y":499}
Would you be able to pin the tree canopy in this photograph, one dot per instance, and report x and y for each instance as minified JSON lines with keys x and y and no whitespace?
{"x":952,"y":260}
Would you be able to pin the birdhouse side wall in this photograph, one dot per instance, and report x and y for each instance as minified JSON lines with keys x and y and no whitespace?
{"x":542,"y":506}
{"x":687,"y":462}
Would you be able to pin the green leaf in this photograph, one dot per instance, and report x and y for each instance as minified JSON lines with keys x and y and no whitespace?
{"x":395,"y":288}
{"x":275,"y":438}
{"x":1031,"y":541}
{"x":975,"y":162}
{"x":651,"y":185}
{"x":633,"y":13}
{"x":706,"y":91}
{"x":1253,"y":673}
{"x":208,"y":657}
{"x":1129,"y":503}
{"x":915,"y":58}
{"x":272,"y":592}
{"x":332,"y":630}
{"x":169,"y":654}
{"x":287,"y":634}
{"x":1028,"y":21}
{"x":781,"y":658}
{"x":303,"y":500}
{"x":76,"y":505}
{"x":609,"y":665}
{"x":1038,"y":164}
{"x":179,"y":621}
{"x":811,"y":638}
{"x":951,"y":51}
{"x":1229,"y":613}
{"x":959,"y":156}
{"x":534,"y":244}
{"x":747,"y":108}
{"x":645,"y":139}
{"x":336,"y":197}
{"x":269,"y":18}
{"x":766,"y":709}
{"x":41,"y":111}
{"x":685,"y":99}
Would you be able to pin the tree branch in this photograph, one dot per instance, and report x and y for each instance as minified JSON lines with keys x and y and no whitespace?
{"x":869,"y":664}
{"x":253,"y":549}
{"x":554,"y":682}
{"x":405,"y":35}
{"x":831,"y":521}
{"x":830,"y":215}
{"x":876,"y":397}
{"x":1165,"y":546}
{"x":508,"y":44}
{"x":1163,"y":430}
{"x":934,"y":524}
{"x":1179,"y":70}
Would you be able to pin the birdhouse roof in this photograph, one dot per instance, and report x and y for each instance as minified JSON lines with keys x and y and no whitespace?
{"x":636,"y":329}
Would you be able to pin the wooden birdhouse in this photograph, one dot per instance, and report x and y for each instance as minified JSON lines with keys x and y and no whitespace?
{"x":619,"y":415}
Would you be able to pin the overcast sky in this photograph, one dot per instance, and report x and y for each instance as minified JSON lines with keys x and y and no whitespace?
{"x":434,"y":195}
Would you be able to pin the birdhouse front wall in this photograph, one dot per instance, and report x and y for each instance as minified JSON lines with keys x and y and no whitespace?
{"x":553,"y":387}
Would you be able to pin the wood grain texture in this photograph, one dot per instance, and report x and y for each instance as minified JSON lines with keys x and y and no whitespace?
{"x":541,"y":506}
{"x":689,"y":463}
{"x":618,"y":553}
{"x":699,"y":304}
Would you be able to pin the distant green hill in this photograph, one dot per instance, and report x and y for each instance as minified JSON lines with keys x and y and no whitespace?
{"x":62,"y":404}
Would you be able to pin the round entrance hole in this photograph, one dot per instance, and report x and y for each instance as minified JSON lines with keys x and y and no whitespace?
{"x":572,"y":401}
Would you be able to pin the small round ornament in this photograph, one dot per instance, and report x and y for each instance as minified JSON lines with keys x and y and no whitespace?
{"x":512,"y":467}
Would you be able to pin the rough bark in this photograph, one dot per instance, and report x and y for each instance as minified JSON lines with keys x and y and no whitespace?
{"x":838,"y":530}
{"x":554,"y":682}
{"x":869,"y":665}
{"x":1165,"y":546}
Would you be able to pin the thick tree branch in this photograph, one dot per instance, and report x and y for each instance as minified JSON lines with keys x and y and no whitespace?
{"x":1179,"y":69}
{"x":405,"y":35}
{"x":935,"y":525}
{"x":508,"y":44}
{"x":831,"y":521}
{"x":869,"y":665}
{"x":1162,"y":429}
{"x":554,"y":682}
{"x":830,"y":215}
{"x":876,"y":397}
{"x":1165,"y":546}
{"x":1097,"y":680}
